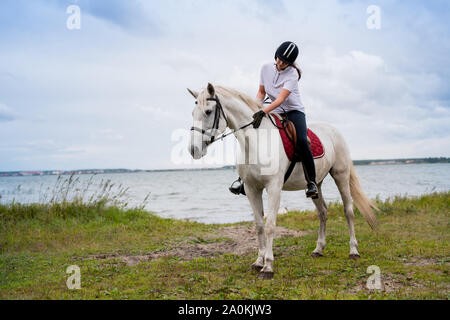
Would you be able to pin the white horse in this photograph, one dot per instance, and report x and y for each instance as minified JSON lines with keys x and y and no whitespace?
{"x":218,"y":108}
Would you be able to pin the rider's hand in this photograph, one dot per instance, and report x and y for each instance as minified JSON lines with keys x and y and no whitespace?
{"x":258,"y":118}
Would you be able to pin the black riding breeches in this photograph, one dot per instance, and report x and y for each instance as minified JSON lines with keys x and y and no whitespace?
{"x":299,"y":120}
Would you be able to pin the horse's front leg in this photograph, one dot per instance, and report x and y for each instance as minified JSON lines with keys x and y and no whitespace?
{"x":274,"y":194}
{"x":254,"y":195}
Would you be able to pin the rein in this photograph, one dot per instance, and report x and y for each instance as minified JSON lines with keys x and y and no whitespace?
{"x":283,"y":120}
{"x":219,"y":110}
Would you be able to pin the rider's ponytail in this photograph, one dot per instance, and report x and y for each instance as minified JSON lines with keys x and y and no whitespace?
{"x":298,"y":70}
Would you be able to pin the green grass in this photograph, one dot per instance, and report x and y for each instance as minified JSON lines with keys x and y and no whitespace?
{"x":38,"y":242}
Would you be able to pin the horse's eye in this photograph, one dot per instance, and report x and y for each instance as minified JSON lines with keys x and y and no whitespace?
{"x":208,"y":112}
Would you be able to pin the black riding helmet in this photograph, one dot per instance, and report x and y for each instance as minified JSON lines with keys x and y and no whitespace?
{"x":287,"y":52}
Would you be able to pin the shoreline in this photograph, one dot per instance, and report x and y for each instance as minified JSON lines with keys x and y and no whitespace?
{"x":24,"y":173}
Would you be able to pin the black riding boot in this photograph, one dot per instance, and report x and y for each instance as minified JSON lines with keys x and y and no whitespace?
{"x":304,"y":152}
{"x":312,"y":191}
{"x":238,"y":189}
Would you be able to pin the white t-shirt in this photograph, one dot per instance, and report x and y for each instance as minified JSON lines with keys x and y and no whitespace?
{"x":274,"y":81}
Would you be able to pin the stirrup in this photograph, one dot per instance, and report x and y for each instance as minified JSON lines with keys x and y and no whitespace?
{"x":239,"y":189}
{"x":313,"y":194}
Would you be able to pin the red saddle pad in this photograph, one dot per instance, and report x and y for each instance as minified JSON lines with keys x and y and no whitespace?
{"x":316,"y":145}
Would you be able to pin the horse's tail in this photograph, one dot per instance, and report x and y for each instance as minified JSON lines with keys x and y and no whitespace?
{"x":364,"y":205}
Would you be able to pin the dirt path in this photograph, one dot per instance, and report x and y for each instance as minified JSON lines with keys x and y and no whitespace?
{"x":238,"y":240}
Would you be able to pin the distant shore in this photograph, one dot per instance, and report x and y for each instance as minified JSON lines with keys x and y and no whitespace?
{"x":121,"y":170}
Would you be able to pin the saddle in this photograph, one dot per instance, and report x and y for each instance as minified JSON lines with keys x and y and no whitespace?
{"x":289,"y":137}
{"x":289,"y":129}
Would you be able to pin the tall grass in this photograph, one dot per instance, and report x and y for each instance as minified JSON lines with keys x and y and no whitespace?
{"x":71,"y":197}
{"x":69,"y":190}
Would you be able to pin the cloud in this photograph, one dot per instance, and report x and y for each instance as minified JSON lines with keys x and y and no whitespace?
{"x":362,"y":83}
{"x":107,"y":134}
{"x":382,"y":112}
{"x":7,"y":75}
{"x":120,"y":82}
{"x":131,"y":14}
{"x":6,"y":114}
{"x":51,"y":148}
{"x":158,"y":113}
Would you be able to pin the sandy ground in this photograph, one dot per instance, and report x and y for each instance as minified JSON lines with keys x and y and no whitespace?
{"x":234,"y":239}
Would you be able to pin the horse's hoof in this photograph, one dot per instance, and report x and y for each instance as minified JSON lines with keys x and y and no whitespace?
{"x":256,"y":267}
{"x":266,"y":275}
{"x":354,"y":256}
{"x":316,"y":255}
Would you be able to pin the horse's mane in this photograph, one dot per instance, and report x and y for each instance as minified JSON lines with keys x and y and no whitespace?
{"x":232,"y":93}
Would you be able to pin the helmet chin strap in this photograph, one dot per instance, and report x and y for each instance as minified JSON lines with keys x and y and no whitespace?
{"x":282,"y":69}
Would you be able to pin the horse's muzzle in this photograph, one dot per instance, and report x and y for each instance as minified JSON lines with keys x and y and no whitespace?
{"x":195,"y":152}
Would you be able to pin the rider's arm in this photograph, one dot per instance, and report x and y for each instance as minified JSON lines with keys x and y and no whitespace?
{"x":278,"y":101}
{"x":261,"y":93}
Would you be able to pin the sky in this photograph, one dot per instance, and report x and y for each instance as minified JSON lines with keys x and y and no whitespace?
{"x":112,"y":93}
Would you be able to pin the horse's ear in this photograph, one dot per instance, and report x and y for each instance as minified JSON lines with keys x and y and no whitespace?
{"x":194,"y":93}
{"x":211,"y":90}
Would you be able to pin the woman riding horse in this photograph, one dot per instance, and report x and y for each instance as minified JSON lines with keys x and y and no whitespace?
{"x":280,"y":82}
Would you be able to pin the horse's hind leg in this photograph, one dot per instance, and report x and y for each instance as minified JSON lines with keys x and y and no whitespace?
{"x":322,"y":212}
{"x":255,"y":197}
{"x":342,"y":179}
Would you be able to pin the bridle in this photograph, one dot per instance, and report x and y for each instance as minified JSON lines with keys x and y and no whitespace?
{"x":218,"y":111}
{"x":215,"y":127}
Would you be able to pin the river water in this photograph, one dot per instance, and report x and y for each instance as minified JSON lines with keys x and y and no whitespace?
{"x":203,"y":196}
